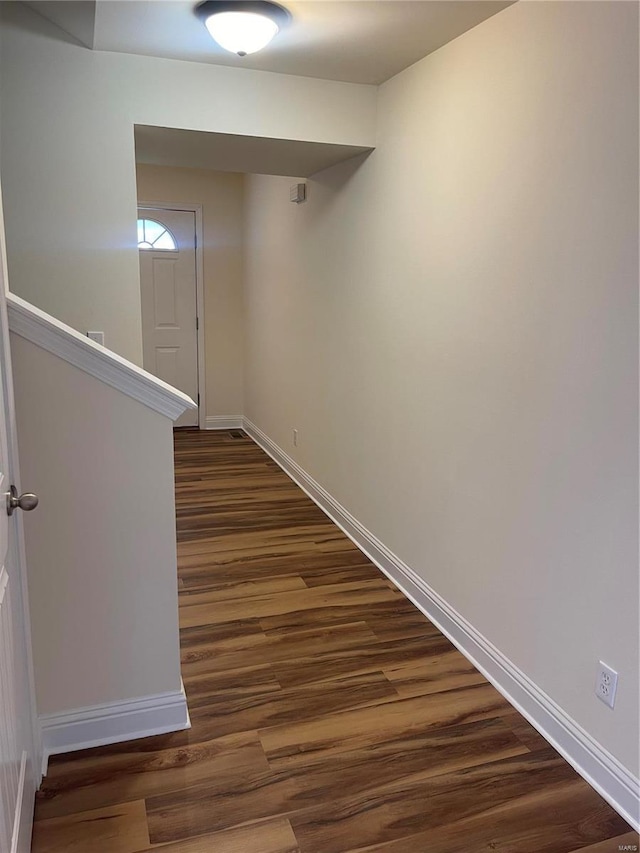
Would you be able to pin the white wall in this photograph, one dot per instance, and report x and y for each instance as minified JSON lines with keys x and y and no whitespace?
{"x":451,"y":325}
{"x":68,"y":158}
{"x":220,"y":194}
{"x":101,"y":547}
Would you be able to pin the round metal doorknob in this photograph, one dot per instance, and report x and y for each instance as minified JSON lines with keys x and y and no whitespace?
{"x":26,"y":501}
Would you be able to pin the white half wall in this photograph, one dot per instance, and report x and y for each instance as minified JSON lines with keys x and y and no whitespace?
{"x":67,"y":148}
{"x":101,"y":546}
{"x":451,"y":325}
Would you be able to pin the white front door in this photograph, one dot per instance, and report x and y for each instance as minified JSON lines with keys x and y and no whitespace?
{"x":166,"y":239}
{"x":17,"y":748}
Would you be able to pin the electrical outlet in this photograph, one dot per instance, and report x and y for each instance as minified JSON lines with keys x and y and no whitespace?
{"x":295,"y":438}
{"x":606,"y":684}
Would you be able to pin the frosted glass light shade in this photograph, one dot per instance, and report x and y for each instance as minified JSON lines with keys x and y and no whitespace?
{"x":241,"y":32}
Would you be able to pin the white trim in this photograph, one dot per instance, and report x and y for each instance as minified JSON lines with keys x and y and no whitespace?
{"x":20,"y":560}
{"x":50,"y":334}
{"x":113,"y":722}
{"x":197,"y":209}
{"x":17,"y":557}
{"x":23,"y":818}
{"x":224,"y":422}
{"x":4,"y":580}
{"x":588,"y":757}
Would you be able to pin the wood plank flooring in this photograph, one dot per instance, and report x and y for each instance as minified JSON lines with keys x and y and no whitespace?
{"x":329,"y":716}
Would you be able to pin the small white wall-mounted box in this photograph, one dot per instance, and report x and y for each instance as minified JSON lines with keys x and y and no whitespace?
{"x":98,"y":337}
{"x":298,"y":193}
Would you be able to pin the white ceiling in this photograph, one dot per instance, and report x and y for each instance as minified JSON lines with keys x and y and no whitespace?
{"x":357,"y":41}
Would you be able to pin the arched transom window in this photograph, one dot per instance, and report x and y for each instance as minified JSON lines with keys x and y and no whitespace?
{"x":154,"y":235}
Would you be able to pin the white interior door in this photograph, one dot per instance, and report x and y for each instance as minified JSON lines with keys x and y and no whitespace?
{"x":19,"y":774}
{"x":167,"y":243}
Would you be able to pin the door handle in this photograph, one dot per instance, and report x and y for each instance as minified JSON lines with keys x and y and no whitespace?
{"x":26,"y":501}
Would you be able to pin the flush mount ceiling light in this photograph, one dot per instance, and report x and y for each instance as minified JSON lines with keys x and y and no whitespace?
{"x":242,"y":26}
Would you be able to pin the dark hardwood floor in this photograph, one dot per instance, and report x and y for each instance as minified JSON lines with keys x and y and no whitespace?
{"x":329,"y":716}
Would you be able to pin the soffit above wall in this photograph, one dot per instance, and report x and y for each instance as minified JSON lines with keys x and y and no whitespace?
{"x":224,"y":152}
{"x":356,"y":41}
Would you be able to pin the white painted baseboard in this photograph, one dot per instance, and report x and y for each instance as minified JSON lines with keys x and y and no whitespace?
{"x":113,"y":722}
{"x":589,"y":758}
{"x":223,"y":422}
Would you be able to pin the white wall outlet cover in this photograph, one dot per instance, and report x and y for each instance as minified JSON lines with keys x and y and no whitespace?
{"x":606,"y":684}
